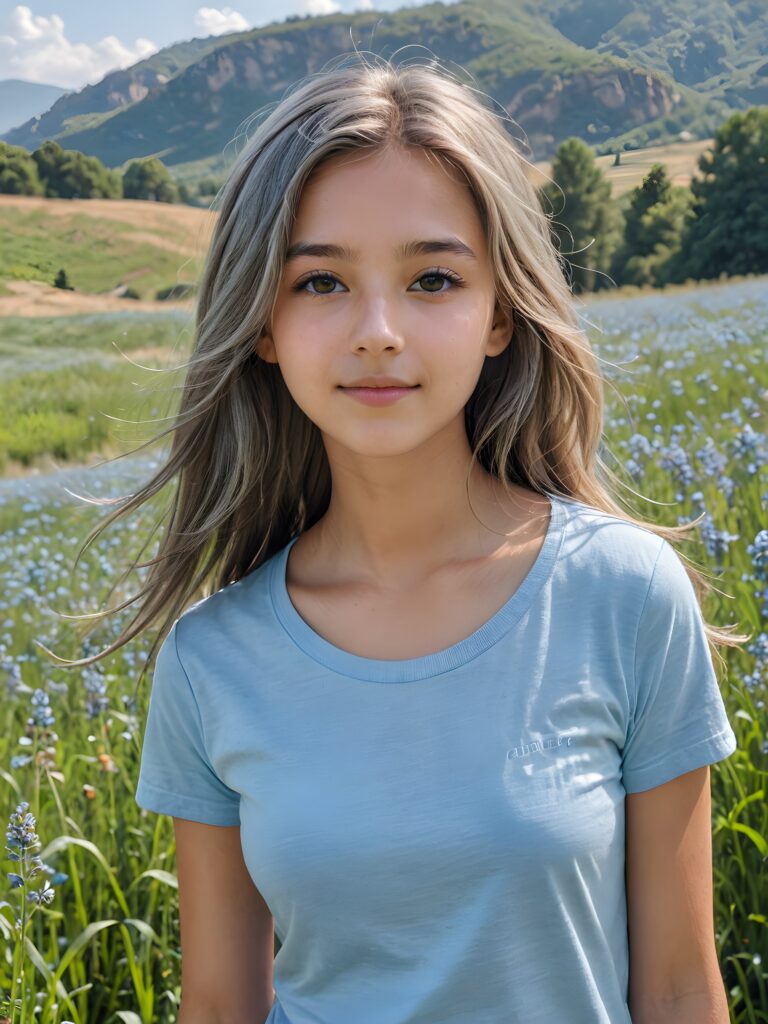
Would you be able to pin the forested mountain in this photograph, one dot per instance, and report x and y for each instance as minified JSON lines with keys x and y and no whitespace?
{"x":614,"y":72}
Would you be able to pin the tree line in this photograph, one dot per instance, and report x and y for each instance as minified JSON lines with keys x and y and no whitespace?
{"x":69,"y":174}
{"x":657,"y":234}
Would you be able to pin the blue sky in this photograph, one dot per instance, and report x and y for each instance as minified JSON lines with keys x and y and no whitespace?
{"x":72,"y":43}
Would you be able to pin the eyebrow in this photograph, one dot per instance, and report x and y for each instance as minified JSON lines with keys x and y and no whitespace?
{"x":401,"y":252}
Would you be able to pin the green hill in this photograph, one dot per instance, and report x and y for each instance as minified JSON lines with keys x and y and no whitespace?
{"x":102,"y":244}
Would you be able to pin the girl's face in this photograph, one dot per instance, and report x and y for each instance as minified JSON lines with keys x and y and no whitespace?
{"x":393,"y":302}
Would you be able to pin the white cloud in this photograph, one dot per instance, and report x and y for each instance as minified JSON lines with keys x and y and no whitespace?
{"x":212,"y":21}
{"x":35,"y":49}
{"x":320,"y":7}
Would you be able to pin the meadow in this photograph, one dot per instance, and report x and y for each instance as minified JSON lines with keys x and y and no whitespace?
{"x":74,"y":387}
{"x":101,"y":243}
{"x":686,"y":429}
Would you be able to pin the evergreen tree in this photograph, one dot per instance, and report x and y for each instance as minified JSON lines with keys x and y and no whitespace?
{"x":727,"y":230}
{"x":653,"y":225}
{"x":655,"y":189}
{"x":583,"y":218}
{"x":662,"y":229}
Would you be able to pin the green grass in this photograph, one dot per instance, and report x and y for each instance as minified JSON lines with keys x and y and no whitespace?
{"x":61,"y":378}
{"x":97,"y":253}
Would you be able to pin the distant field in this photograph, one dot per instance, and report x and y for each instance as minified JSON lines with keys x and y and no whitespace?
{"x":680,"y":159}
{"x":103,"y":243}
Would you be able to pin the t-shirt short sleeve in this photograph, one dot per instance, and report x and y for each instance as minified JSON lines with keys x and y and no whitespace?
{"x":679,"y":721}
{"x":175,"y":775}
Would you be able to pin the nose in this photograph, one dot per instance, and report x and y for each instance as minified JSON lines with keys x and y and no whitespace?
{"x":378,"y":327}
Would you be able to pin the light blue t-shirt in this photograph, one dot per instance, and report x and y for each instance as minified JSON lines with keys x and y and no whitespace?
{"x":441,"y":839}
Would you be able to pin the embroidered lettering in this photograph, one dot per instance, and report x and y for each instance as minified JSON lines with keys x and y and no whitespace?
{"x":539,"y":746}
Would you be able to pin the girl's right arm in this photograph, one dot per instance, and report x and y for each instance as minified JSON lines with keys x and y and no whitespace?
{"x":227,"y":932}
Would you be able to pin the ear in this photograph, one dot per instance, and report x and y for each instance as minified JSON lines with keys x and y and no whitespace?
{"x":265,"y":347}
{"x":501,"y":332}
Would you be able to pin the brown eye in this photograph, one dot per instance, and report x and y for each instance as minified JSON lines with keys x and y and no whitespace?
{"x":435,"y":279}
{"x":438,"y":276}
{"x":313,"y":279}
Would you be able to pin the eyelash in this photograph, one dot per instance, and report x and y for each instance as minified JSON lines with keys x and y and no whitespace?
{"x":449,"y":275}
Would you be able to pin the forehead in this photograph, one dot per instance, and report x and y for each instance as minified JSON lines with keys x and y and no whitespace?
{"x":389,"y":192}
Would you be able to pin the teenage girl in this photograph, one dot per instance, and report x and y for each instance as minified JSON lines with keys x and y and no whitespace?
{"x":443,"y":717}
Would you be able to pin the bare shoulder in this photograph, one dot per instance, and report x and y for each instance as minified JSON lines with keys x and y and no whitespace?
{"x":227,"y":932}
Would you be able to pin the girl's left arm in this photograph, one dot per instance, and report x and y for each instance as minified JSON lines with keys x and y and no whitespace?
{"x":674,"y":974}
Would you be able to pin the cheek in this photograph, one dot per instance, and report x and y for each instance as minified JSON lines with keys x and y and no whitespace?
{"x":460,"y":327}
{"x":302,"y":374}
{"x":300,"y":347}
{"x":305,"y":365}
{"x":455,"y":354}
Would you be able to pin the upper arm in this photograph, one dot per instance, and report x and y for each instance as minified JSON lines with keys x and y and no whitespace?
{"x":227,"y":934}
{"x":669,"y":892}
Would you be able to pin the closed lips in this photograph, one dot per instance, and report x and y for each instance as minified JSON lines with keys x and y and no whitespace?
{"x":383,"y":383}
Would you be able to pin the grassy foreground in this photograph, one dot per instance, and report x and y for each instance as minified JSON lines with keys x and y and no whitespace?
{"x":68,"y":383}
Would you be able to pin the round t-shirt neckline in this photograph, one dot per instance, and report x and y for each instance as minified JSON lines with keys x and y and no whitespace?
{"x":402,"y":670}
